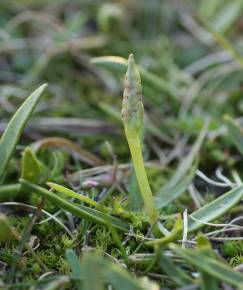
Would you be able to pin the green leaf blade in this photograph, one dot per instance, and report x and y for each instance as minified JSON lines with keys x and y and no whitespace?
{"x":215,"y":208}
{"x":175,"y":273}
{"x":15,"y":128}
{"x":183,"y":175}
{"x":75,"y":266}
{"x":77,"y":209}
{"x":120,"y":64}
{"x":235,"y":132}
{"x":211,"y":266}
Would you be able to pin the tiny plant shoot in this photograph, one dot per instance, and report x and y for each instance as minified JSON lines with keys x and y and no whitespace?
{"x":132,"y":116}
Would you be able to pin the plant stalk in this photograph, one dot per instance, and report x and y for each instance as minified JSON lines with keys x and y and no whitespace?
{"x":143,"y":183}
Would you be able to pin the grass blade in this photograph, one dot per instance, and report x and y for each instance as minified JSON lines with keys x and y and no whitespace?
{"x":215,"y":208}
{"x":120,"y":64}
{"x":174,"y":272}
{"x":171,"y":193}
{"x":75,"y":265}
{"x":15,"y":127}
{"x":187,"y":162}
{"x":73,"y":194}
{"x":204,"y":248}
{"x":89,"y":267}
{"x":85,"y":199}
{"x":235,"y":132}
{"x":113,"y":274}
{"x":210,"y":265}
{"x":76,"y":209}
{"x":227,"y":16}
{"x":179,"y":182}
{"x":207,"y":8}
{"x":9,"y":192}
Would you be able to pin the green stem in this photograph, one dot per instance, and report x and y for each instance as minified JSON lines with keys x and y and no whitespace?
{"x":9,"y":191}
{"x":143,"y":183}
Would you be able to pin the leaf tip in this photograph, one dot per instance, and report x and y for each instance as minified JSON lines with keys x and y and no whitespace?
{"x":50,"y":184}
{"x":226,"y":118}
{"x":131,"y":58}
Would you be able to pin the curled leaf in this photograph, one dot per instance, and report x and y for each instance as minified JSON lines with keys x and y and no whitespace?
{"x":31,"y":167}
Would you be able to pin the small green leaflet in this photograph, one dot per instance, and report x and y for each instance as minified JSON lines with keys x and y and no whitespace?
{"x":30,"y":166}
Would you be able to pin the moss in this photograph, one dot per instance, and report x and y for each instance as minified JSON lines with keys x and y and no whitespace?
{"x":236,"y":261}
{"x":102,"y":239}
{"x":137,"y":221}
{"x":232,"y":249}
{"x":50,"y":257}
{"x":6,"y":256}
{"x":36,"y":268}
{"x":67,"y":241}
{"x":51,"y":252}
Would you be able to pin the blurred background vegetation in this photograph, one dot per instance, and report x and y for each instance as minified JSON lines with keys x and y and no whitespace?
{"x":192,"y":47}
{"x":190,"y":53}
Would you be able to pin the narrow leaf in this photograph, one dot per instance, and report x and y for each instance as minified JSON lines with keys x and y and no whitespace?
{"x":113,"y":274}
{"x":9,"y":192}
{"x":73,"y":194}
{"x":204,"y":248}
{"x":120,"y":64}
{"x":171,"y":193}
{"x":207,"y":8}
{"x":235,"y":132}
{"x":15,"y":127}
{"x":174,"y":272}
{"x":179,"y":182}
{"x":75,"y":265}
{"x":210,"y":265}
{"x":89,"y":267}
{"x":227,"y":16}
{"x":215,"y":208}
{"x":77,"y":209}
